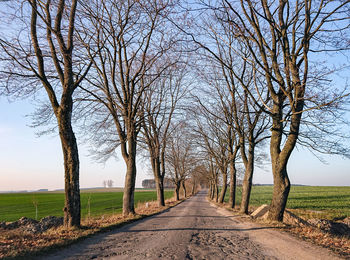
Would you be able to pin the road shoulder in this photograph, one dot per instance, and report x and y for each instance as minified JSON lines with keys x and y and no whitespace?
{"x":277,"y":242}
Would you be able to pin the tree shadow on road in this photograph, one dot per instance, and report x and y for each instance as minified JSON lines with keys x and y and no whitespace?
{"x":199,"y":229}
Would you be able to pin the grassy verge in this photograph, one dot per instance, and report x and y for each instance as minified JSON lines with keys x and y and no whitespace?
{"x":93,"y":203}
{"x":15,"y":244}
{"x":307,"y":201}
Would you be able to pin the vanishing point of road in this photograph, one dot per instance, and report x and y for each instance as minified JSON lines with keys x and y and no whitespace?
{"x":194,"y":229}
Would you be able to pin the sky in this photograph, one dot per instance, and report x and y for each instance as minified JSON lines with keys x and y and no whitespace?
{"x":28,"y":162}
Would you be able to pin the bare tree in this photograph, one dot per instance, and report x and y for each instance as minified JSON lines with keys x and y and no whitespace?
{"x":37,"y":49}
{"x":280,"y":36}
{"x":250,"y":123}
{"x":129,"y":41}
{"x":199,"y":178}
{"x":214,"y":180}
{"x":110,"y":183}
{"x":159,"y":105}
{"x":233,"y":118}
{"x":214,"y":143}
{"x":180,"y":157}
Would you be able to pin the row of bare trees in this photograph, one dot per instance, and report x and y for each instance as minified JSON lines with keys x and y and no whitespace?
{"x":266,"y":76}
{"x":107,"y":183}
{"x":115,"y":61}
{"x":127,"y":67}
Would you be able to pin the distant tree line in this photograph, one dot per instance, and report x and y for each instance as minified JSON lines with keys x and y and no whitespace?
{"x":151,"y":183}
{"x":108,"y":183}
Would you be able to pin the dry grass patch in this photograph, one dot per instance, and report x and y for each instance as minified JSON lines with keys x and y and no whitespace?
{"x":336,"y":243}
{"x":17,"y":244}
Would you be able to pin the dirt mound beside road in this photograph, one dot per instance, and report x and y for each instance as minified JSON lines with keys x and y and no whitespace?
{"x":33,"y":226}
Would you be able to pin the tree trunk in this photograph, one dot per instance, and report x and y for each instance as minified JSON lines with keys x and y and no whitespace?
{"x":211,"y":194}
{"x":281,"y":187}
{"x":247,"y":181}
{"x":71,"y":167}
{"x":184,"y":188}
{"x":224,"y":188}
{"x":193,"y":188}
{"x":130,"y":177}
{"x":232,"y":199}
{"x":158,"y":180}
{"x":160,"y":192}
{"x":177,"y":191}
{"x":246,"y":190}
{"x":216,"y":192}
{"x":279,"y":159}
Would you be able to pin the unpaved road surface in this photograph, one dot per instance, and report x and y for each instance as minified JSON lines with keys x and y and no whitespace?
{"x":193,"y":229}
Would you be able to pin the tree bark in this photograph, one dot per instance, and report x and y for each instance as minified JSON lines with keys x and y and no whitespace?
{"x":193,"y":188}
{"x":177,"y":191}
{"x":211,"y":191}
{"x":159,"y":180}
{"x":247,"y":181}
{"x":246,"y":190}
{"x":279,"y":159}
{"x":129,"y":189}
{"x":281,"y":188}
{"x":233,"y":180}
{"x":130,"y":178}
{"x":224,"y":188}
{"x":71,"y":167}
{"x":184,"y":188}
{"x":160,"y":192}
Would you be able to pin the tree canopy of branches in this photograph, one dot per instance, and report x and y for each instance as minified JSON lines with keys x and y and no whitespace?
{"x":279,"y":39}
{"x":280,"y":35}
{"x":159,"y":106}
{"x":213,"y":140}
{"x":180,"y":157}
{"x":258,"y":66}
{"x":131,"y":46}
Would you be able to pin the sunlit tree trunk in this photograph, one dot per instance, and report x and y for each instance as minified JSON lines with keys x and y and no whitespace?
{"x":130,"y":176}
{"x":71,"y":167}
{"x":248,"y":180}
{"x":279,"y":158}
{"x":156,"y":167}
{"x":233,"y":183}
{"x":193,"y":187}
{"x":224,"y":187}
{"x":177,"y":190}
{"x":184,"y":188}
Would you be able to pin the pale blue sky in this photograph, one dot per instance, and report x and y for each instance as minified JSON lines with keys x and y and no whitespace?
{"x":28,"y":162}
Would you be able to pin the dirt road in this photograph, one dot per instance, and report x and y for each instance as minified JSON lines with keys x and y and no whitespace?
{"x":193,"y":230}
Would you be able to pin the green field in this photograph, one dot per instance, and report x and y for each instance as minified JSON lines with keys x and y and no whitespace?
{"x":16,"y":205}
{"x":309,"y":201}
